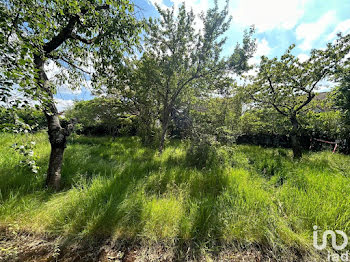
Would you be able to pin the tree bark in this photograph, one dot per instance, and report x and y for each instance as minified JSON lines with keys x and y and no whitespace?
{"x":295,"y":138}
{"x":165,"y":124}
{"x":53,"y":179}
{"x":57,"y":134}
{"x":58,"y":139}
{"x":297,"y":150}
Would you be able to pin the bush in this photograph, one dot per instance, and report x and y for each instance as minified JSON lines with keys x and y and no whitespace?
{"x":204,"y":153}
{"x":103,"y":116}
{"x":31,"y":117}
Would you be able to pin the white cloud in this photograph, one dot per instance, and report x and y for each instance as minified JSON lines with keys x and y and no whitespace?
{"x":303,"y":57}
{"x":342,"y":27}
{"x":263,"y":49}
{"x":268,"y":14}
{"x":326,"y":85}
{"x":197,"y":6}
{"x":158,"y":2}
{"x":87,"y":84}
{"x":52,"y":69}
{"x":68,"y":85}
{"x":63,"y":104}
{"x":313,"y":31}
{"x":265,"y":15}
{"x":64,"y":89}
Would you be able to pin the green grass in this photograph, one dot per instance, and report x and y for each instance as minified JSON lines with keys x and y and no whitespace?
{"x":116,"y":188}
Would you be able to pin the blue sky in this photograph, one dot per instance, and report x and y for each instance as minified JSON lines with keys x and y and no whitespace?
{"x":279,"y":23}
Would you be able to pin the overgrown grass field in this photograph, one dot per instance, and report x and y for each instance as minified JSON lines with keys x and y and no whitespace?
{"x":249,"y":196}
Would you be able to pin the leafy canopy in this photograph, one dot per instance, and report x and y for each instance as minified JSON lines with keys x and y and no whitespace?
{"x":288,"y":85}
{"x":75,"y":35}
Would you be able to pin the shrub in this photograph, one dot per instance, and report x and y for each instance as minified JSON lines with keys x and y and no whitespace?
{"x":204,"y":152}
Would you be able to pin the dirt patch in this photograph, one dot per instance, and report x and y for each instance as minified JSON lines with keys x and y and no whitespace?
{"x":24,"y":246}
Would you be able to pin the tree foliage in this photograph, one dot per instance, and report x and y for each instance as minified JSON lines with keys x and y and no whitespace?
{"x":74,"y":36}
{"x":180,"y":62}
{"x":103,"y":116}
{"x":343,"y":90}
{"x":289,"y":85}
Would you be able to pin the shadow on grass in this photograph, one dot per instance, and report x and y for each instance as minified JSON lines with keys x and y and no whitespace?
{"x":140,"y":175}
{"x":109,"y":187}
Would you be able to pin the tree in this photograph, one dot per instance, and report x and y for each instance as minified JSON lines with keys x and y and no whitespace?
{"x":288,"y":85}
{"x":103,"y":115}
{"x":186,"y":62}
{"x":217,"y":116}
{"x":30,"y":116}
{"x":71,"y":34}
{"x":142,"y":89}
{"x":263,"y":120}
{"x":343,"y":90}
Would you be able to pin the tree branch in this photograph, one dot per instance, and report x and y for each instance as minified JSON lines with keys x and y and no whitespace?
{"x":68,"y":62}
{"x":14,"y":25}
{"x":269,"y":103}
{"x":318,"y":80}
{"x":310,"y":94}
{"x":67,"y":30}
{"x":82,"y":39}
{"x":274,"y":98}
{"x":74,"y":65}
{"x":307,"y":101}
{"x":62,"y":36}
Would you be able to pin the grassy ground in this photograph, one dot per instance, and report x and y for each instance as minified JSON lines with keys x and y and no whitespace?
{"x":249,"y":197}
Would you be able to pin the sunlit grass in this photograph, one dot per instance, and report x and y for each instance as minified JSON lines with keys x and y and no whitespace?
{"x":117,"y":188}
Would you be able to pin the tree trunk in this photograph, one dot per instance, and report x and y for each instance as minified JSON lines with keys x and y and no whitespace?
{"x":165,"y":124}
{"x":295,"y":139}
{"x":53,"y":179}
{"x":57,"y":134}
{"x":58,"y":140}
{"x":297,"y":150}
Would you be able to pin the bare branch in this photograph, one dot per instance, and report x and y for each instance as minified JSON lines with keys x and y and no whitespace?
{"x":68,"y":62}
{"x":74,"y":65}
{"x":269,"y":103}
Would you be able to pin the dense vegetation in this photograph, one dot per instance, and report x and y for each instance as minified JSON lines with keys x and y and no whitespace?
{"x":245,"y":196}
{"x":179,"y":69}
{"x":159,"y":155}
